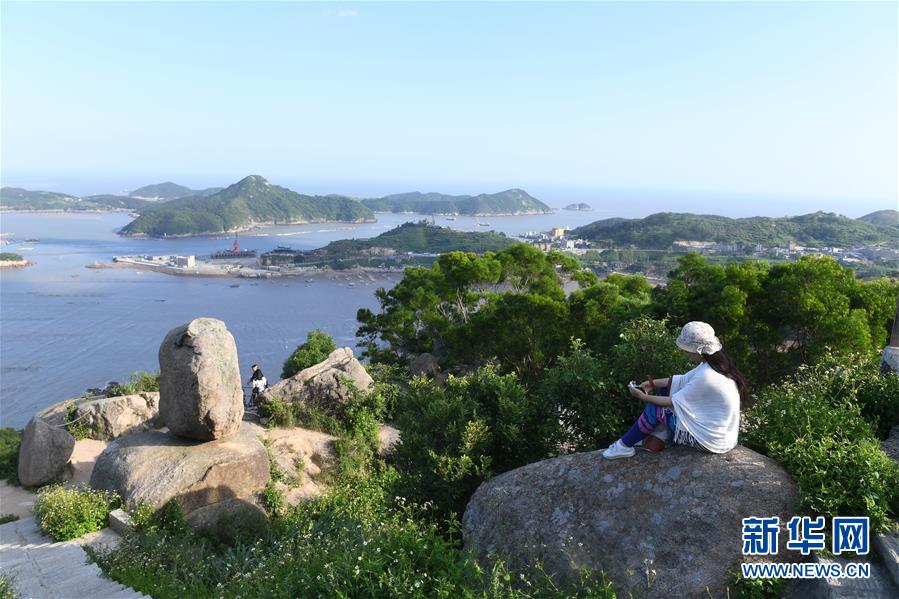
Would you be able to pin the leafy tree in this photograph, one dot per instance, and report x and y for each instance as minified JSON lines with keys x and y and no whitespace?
{"x":316,"y":349}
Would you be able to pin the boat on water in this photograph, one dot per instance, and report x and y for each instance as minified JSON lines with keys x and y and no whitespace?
{"x":483,"y":224}
{"x":32,"y":241}
{"x":450,"y":218}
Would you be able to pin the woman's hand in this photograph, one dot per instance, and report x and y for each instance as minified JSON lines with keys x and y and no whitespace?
{"x":646,"y":386}
{"x":637,"y":392}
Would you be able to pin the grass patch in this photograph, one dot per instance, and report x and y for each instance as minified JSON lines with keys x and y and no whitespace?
{"x":75,"y":425}
{"x":64,"y":513}
{"x":10,"y":441}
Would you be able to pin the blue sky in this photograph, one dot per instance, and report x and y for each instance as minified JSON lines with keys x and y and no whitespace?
{"x":783,"y":105}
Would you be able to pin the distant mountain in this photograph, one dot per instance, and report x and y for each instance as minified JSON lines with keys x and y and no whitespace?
{"x":659,"y":231}
{"x":424,"y":238}
{"x":250,"y":202}
{"x":883,"y":218}
{"x":16,"y":198}
{"x":512,"y":201}
{"x":579,"y":207}
{"x":170,"y":191}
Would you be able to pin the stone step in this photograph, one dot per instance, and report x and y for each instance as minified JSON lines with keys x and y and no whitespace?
{"x":43,"y":569}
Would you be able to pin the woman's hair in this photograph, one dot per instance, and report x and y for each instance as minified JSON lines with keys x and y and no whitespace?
{"x":724,"y":364}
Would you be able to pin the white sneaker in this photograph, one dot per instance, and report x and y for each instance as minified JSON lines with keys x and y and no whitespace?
{"x":618,"y":450}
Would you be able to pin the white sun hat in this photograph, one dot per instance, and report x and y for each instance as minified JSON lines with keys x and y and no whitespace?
{"x":698,"y":338}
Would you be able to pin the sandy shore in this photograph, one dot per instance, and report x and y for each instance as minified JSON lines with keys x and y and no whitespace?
{"x":15,"y":263}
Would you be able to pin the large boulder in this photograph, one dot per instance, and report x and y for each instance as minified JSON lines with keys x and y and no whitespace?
{"x":200,"y":394}
{"x":112,"y":417}
{"x":44,"y":452}
{"x":671,"y":521}
{"x":324,"y":383}
{"x":154,"y":467}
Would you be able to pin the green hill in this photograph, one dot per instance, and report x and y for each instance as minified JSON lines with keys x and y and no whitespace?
{"x":512,"y":201}
{"x":250,"y":202}
{"x":659,"y":231}
{"x":883,"y":218}
{"x":16,"y":198}
{"x":422,"y":237}
{"x":170,"y":191}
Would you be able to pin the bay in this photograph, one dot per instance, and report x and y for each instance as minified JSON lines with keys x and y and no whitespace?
{"x":65,"y":328}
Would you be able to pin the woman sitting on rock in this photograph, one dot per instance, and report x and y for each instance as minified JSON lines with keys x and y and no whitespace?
{"x":700,"y":408}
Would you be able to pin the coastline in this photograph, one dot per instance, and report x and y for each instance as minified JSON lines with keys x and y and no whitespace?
{"x":253,"y":227}
{"x":242,"y":271}
{"x":15,"y":263}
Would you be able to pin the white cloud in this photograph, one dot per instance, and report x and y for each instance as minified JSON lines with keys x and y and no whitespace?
{"x":343,"y":14}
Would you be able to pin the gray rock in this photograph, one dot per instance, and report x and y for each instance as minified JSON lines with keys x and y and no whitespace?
{"x":200,"y":394}
{"x":154,"y":467}
{"x":44,"y":452}
{"x":322,"y":384}
{"x":223,"y":513}
{"x":671,"y":521}
{"x":112,"y":417}
{"x":891,"y":445}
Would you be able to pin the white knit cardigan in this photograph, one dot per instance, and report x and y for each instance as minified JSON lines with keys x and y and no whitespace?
{"x":707,"y":406}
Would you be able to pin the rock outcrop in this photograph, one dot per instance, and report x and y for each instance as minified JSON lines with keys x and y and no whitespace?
{"x":112,"y":417}
{"x":323,"y":384}
{"x":44,"y":452}
{"x":155,"y":467}
{"x":200,"y":393}
{"x":659,"y":525}
{"x":300,"y":455}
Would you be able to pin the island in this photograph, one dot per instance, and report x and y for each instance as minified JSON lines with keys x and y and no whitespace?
{"x":18,"y":199}
{"x":249,"y":203}
{"x":512,"y":202}
{"x":170,"y":191}
{"x":10,"y":260}
{"x":581,"y":207}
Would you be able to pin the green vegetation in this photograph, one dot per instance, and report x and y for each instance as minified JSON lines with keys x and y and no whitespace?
{"x":170,"y":191}
{"x":883,"y":218}
{"x":7,"y":590}
{"x":10,"y":441}
{"x":10,"y":257}
{"x":511,"y":201}
{"x":16,"y":198}
{"x":252,"y":200}
{"x":822,"y":425}
{"x":139,"y":382}
{"x":579,"y":206}
{"x":774,"y":318}
{"x":316,"y":349}
{"x":76,"y":427}
{"x":424,"y":238}
{"x":5,"y":518}
{"x":659,"y":231}
{"x":65,"y":513}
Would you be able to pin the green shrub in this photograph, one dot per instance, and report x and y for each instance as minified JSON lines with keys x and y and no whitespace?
{"x":65,"y":513}
{"x":7,"y":589}
{"x":845,"y":478}
{"x":139,"y":382}
{"x":77,"y":427}
{"x":820,"y":425}
{"x":5,"y":518}
{"x":739,"y":587}
{"x":590,"y":408}
{"x":456,"y":437}
{"x":316,"y":349}
{"x":646,"y":347}
{"x":273,"y":499}
{"x":10,"y":441}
